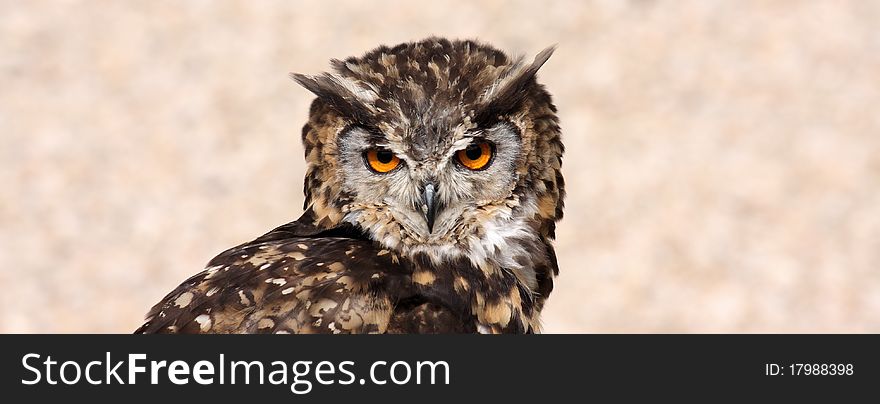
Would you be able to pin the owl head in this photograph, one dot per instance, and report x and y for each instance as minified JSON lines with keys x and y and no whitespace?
{"x":437,"y":146}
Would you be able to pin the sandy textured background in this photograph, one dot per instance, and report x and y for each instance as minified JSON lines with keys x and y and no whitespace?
{"x":723,"y":160}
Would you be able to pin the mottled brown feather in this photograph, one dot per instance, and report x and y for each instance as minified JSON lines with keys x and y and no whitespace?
{"x":323,"y":274}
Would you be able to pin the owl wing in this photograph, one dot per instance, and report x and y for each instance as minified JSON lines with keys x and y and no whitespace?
{"x":298,"y":279}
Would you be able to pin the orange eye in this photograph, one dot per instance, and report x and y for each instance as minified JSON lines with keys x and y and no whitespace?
{"x":476,"y":156}
{"x":381,"y":160}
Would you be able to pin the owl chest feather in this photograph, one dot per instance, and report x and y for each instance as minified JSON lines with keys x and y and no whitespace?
{"x":496,"y":280}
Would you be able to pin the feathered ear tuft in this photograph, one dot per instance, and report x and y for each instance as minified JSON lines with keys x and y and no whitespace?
{"x":510,"y":91}
{"x":343,"y":95}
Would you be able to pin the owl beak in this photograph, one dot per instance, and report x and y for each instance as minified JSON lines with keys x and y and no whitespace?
{"x":429,"y":195}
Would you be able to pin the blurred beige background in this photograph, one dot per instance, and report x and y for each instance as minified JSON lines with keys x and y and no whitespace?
{"x":723,"y":157}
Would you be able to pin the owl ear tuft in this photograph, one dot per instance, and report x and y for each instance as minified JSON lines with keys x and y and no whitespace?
{"x":341,"y":94}
{"x":507,"y":95}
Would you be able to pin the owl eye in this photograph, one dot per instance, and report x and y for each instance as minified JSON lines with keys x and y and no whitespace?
{"x":476,"y":156}
{"x":381,"y":160}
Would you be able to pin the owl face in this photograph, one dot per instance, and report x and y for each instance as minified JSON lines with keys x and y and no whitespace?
{"x":434,"y":145}
{"x":429,"y":189}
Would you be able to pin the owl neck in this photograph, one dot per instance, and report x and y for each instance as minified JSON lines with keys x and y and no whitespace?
{"x":502,"y":278}
{"x":501,"y":274}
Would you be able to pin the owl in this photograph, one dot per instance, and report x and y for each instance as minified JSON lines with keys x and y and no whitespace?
{"x":432,"y":191}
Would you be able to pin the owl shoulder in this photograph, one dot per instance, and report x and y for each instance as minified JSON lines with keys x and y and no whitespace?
{"x":285,"y":283}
